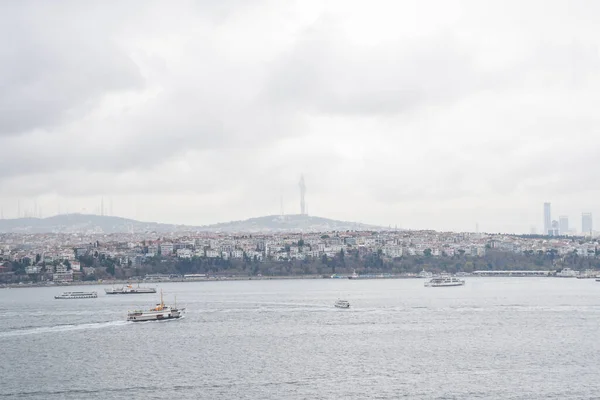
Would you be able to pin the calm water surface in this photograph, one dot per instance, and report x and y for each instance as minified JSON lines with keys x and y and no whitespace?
{"x":495,"y":338}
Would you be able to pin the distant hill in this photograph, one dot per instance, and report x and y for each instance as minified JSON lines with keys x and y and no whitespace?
{"x":288,"y":223}
{"x":86,"y":223}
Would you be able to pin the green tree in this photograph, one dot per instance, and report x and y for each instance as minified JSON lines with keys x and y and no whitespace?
{"x":427,"y":252}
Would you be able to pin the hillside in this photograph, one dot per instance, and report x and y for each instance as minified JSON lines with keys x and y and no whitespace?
{"x":288,"y":223}
{"x":85,"y":223}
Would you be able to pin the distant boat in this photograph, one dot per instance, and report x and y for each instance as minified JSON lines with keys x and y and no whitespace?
{"x":77,"y":295}
{"x":336,"y":276}
{"x":130,"y":290}
{"x":568,"y":273}
{"x":342,"y":304}
{"x":158,"y":313}
{"x":425,"y":274}
{"x":370,"y":276}
{"x":444,"y":281}
{"x":588,"y":274}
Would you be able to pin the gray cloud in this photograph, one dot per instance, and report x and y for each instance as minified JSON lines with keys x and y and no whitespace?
{"x":54,"y":68}
{"x":326,"y":72}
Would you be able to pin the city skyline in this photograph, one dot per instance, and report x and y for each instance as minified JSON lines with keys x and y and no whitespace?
{"x":558,"y":225}
{"x":561,"y":226}
{"x":182,"y":113}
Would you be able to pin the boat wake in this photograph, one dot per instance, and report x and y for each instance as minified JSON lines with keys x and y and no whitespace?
{"x":62,"y":328}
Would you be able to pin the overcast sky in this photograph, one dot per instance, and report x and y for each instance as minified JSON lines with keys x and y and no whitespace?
{"x":421,"y":114}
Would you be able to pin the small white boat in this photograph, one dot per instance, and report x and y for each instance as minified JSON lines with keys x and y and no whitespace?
{"x":342,"y":304}
{"x":443,"y":281}
{"x":77,"y":295}
{"x":158,"y":313}
{"x":425,"y":274}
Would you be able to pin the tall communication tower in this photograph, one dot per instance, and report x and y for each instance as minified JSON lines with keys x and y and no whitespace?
{"x":302,"y":193}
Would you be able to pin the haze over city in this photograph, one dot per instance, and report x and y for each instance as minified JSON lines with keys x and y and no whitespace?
{"x":432,"y":115}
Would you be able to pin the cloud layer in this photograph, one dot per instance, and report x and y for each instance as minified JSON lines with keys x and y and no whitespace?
{"x":420,"y":114}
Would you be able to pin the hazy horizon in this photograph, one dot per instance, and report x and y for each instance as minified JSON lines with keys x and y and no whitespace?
{"x":421,"y":114}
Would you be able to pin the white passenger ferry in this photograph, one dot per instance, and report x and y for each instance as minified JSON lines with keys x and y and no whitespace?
{"x":158,"y":313}
{"x":77,"y":295}
{"x":443,"y":281}
{"x":130,"y":290}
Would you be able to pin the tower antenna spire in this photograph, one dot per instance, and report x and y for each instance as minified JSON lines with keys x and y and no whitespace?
{"x":302,"y":194}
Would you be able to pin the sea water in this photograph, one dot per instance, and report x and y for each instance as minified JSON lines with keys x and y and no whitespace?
{"x":494,"y":338}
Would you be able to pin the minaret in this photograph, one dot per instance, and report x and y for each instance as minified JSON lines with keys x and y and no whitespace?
{"x":302,"y":193}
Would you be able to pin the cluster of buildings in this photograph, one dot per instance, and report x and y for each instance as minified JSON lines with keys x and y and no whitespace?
{"x":62,"y":257}
{"x":562,"y":228}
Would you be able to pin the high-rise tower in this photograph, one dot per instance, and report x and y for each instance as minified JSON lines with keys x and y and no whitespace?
{"x":547,"y":218}
{"x":586,"y":223}
{"x":563,"y":224}
{"x":302,"y":193}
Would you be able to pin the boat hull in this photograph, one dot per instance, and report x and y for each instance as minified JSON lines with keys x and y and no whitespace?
{"x":130,"y":292}
{"x":342,"y":304}
{"x":76,"y":295}
{"x":154,"y":315}
{"x":444,"y":284}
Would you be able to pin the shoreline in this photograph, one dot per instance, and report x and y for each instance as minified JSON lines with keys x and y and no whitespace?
{"x":120,"y":282}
